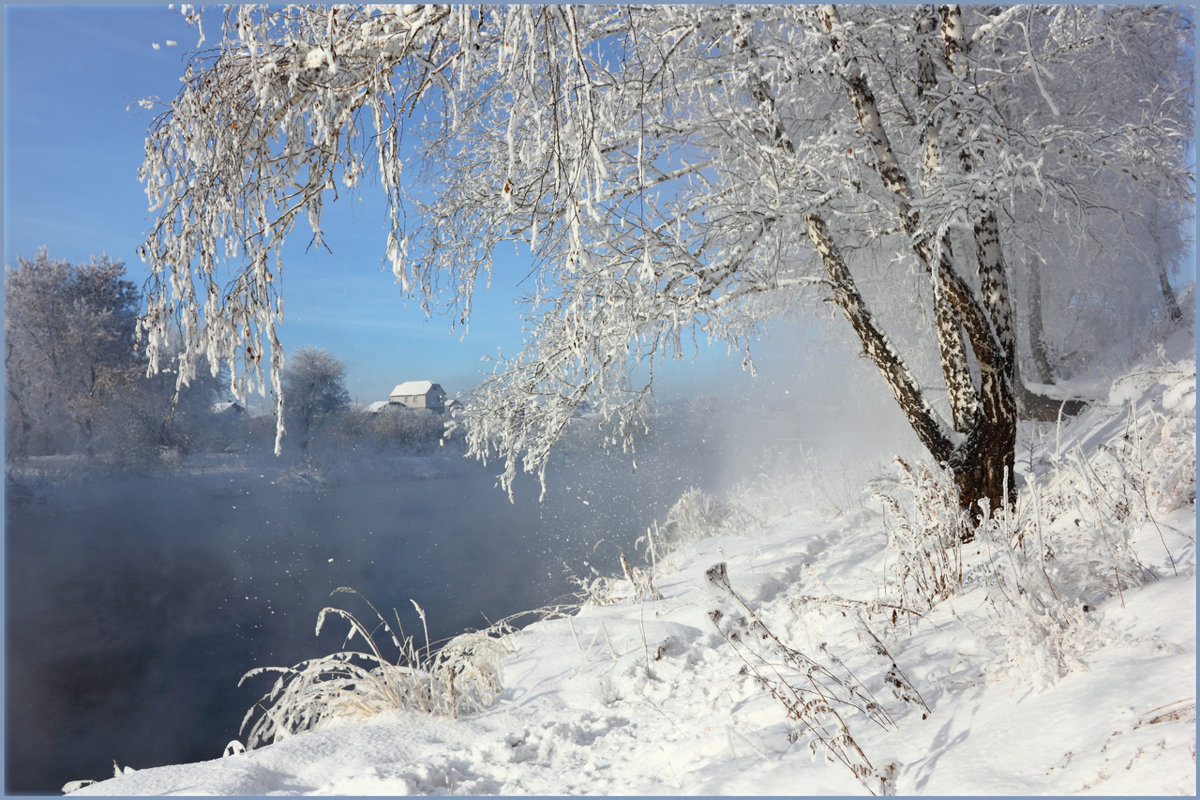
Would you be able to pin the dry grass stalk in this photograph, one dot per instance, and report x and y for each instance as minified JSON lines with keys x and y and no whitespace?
{"x":461,"y":676}
{"x":813,"y":695}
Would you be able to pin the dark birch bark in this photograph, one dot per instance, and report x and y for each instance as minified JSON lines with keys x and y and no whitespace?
{"x":993,"y":284}
{"x":1168,"y":293}
{"x":955,"y":371}
{"x":1037,"y":331}
{"x":982,"y":465}
{"x":926,"y":80}
{"x":953,"y":36}
{"x":1030,"y":404}
{"x":1160,"y":265}
{"x":993,"y":271}
{"x":877,"y":347}
{"x":937,"y":260}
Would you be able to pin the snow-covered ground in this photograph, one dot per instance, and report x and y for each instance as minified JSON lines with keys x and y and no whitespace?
{"x":834,"y":655}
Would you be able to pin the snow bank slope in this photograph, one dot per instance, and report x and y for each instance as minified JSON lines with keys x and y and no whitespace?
{"x":820,"y":659}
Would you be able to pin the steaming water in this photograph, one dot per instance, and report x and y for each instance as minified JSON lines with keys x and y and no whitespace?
{"x":135,"y":606}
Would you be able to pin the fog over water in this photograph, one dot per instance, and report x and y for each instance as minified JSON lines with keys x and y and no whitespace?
{"x":136,"y":603}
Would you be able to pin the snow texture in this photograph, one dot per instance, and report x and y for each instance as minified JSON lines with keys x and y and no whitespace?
{"x":641,"y":692}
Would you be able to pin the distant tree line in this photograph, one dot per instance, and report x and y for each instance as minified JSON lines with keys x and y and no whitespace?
{"x":77,"y":384}
{"x":75,"y":381}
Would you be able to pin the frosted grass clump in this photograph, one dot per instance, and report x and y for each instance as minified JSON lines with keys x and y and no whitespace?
{"x":924,"y":537}
{"x":1068,"y":544}
{"x":1045,"y":633}
{"x":696,"y":516}
{"x":460,"y":677}
{"x":1040,"y":631}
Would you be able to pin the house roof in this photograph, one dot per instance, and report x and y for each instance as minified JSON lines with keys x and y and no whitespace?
{"x":413,"y":387}
{"x":378,"y":406}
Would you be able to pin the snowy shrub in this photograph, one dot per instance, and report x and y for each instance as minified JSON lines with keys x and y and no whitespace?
{"x":641,"y":581}
{"x":1067,"y":545}
{"x":1084,"y":515}
{"x":1036,"y":585}
{"x":416,"y":430}
{"x":1044,"y":631}
{"x":1096,"y":499}
{"x":924,"y":536}
{"x":593,"y":588}
{"x":1041,"y":565}
{"x":694,"y":517}
{"x":604,"y":590}
{"x":1157,"y":453}
{"x":461,"y":676}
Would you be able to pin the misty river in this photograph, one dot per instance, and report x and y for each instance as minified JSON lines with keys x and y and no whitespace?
{"x":135,"y":603}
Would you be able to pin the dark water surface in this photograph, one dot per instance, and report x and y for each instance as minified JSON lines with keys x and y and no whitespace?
{"x":135,"y":604}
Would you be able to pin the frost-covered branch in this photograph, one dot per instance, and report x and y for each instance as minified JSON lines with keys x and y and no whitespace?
{"x":659,"y":167}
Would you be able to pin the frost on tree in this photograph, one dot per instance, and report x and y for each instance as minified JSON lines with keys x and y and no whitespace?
{"x":679,"y":174}
{"x":314,"y":381}
{"x":68,"y":352}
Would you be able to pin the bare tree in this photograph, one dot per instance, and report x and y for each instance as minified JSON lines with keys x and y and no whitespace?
{"x":674,"y":171}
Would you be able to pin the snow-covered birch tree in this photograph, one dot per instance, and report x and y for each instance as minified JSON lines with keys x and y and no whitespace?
{"x":675,"y":173}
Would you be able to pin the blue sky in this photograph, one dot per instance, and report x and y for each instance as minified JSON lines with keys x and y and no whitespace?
{"x":73,"y":138}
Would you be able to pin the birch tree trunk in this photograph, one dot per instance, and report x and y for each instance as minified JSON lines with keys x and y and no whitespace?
{"x":1037,"y":332}
{"x":1160,"y":266}
{"x":982,"y":464}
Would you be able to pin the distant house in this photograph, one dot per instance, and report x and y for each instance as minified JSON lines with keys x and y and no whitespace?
{"x":420,"y":394}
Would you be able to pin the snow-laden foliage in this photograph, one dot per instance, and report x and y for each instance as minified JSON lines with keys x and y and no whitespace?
{"x":75,"y":382}
{"x":674,"y":174}
{"x":314,"y":381}
{"x":694,"y":516}
{"x":68,"y":341}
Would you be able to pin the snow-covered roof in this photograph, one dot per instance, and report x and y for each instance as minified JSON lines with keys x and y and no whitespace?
{"x":413,"y":387}
{"x":378,"y":406}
